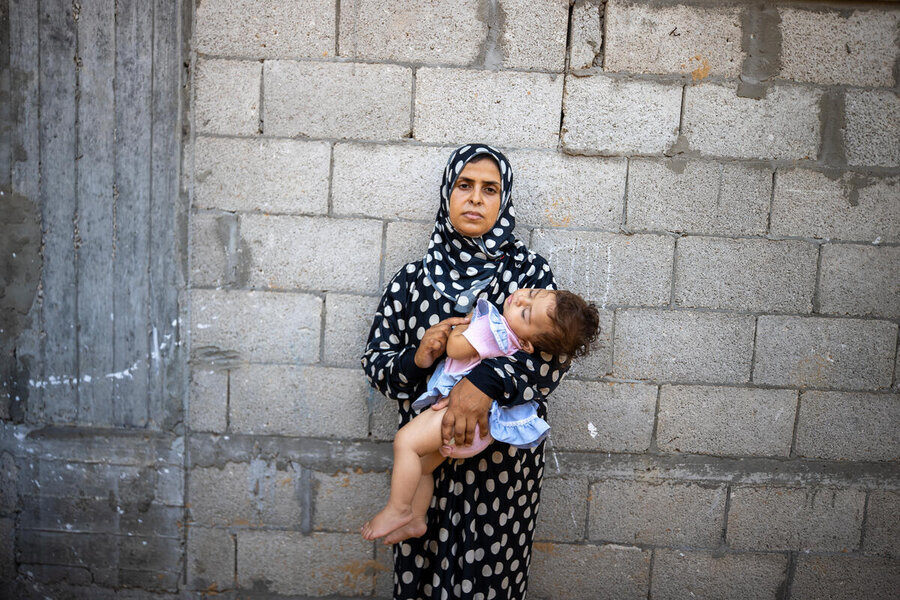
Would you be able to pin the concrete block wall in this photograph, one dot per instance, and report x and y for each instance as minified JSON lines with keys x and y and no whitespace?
{"x":722,"y":179}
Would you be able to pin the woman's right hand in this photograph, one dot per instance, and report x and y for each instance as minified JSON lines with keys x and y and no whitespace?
{"x":434,"y":342}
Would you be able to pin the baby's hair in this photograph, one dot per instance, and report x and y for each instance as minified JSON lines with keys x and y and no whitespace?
{"x":576,"y":324}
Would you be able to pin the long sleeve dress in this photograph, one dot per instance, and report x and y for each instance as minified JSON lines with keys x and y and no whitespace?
{"x":482,"y":517}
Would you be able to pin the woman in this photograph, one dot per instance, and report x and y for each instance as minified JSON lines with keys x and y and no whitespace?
{"x":477,"y":540}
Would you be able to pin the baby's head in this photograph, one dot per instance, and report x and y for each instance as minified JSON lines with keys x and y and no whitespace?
{"x":553,"y":321}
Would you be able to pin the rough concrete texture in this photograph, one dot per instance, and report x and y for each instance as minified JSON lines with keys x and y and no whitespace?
{"x":726,"y":421}
{"x":701,"y":197}
{"x":365,"y":181}
{"x":405,"y":242}
{"x":872,"y":121}
{"x":533,"y":34}
{"x":556,"y":190}
{"x":208,"y":402}
{"x":455,"y":106}
{"x":607,"y":417}
{"x":716,"y":576}
{"x":258,"y":326}
{"x":9,"y":492}
{"x":811,"y":204}
{"x":347,"y":323}
{"x":848,"y":426}
{"x":845,"y":578}
{"x":822,"y":352}
{"x":227,"y":96}
{"x":612,"y":116}
{"x":882,"y":534}
{"x":210,"y":559}
{"x":746,"y":275}
{"x":7,"y":549}
{"x":696,"y":40}
{"x":563,"y":517}
{"x":833,"y":48}
{"x":783,"y":125}
{"x":860,"y":281}
{"x":599,"y":362}
{"x":334,"y":563}
{"x":343,"y":501}
{"x":299,"y":401}
{"x":604,"y":572}
{"x":429,"y":32}
{"x":337,"y":100}
{"x":273,"y":176}
{"x":287,"y":253}
{"x":699,"y":347}
{"x":280,"y":29}
{"x":385,"y":420}
{"x":816,"y":519}
{"x":635,"y":512}
{"x":586,"y":36}
{"x":212,"y":237}
{"x":609,"y":268}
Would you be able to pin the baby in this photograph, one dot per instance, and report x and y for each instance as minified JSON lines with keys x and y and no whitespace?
{"x":557,"y":322}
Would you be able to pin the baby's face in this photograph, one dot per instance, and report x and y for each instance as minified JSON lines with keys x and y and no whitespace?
{"x":528,"y":313}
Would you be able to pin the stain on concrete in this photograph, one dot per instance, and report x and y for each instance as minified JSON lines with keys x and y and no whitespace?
{"x":490,"y":55}
{"x":761,"y":43}
{"x":832,"y":121}
{"x":238,"y":257}
{"x":20,"y":260}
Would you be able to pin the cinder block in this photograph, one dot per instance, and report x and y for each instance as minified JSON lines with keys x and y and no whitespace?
{"x":849,"y":426}
{"x":872,"y":122}
{"x":280,"y":176}
{"x":882,"y":535}
{"x":836,"y":48}
{"x":746,"y":274}
{"x":208,"y":399}
{"x":599,"y":362}
{"x":726,"y":421}
{"x":613,"y":116}
{"x":343,"y":501}
{"x":297,"y":252}
{"x":9,"y":489}
{"x":674,"y":346}
{"x":7,"y":549}
{"x":384,"y":571}
{"x":93,"y":551}
{"x":783,"y":125}
{"x":508,"y":108}
{"x":533,"y":34}
{"x":210,"y":559}
{"x":385,"y":418}
{"x":811,"y":204}
{"x":366,"y":177}
{"x":347,"y":323}
{"x":575,"y":571}
{"x":701,"y":197}
{"x":699,"y":40}
{"x":211,"y":236}
{"x":860,"y":280}
{"x":637,"y":512}
{"x":822,"y":352}
{"x":260,"y":326}
{"x":563,"y":517}
{"x":556,"y":190}
{"x":412,"y":32}
{"x":610,"y":268}
{"x":299,"y":401}
{"x":802,"y":519}
{"x":845,"y":578}
{"x":704,"y":575}
{"x":100,"y":515}
{"x":283,"y":29}
{"x":227,"y":96}
{"x":404,"y":243}
{"x":337,"y":100}
{"x":333,"y":563}
{"x":610,"y":417}
{"x":586,"y":37}
{"x":254,"y":494}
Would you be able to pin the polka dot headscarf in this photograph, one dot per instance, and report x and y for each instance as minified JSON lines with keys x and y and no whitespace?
{"x":460,"y":267}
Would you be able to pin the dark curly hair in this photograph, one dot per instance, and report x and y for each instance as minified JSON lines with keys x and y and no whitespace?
{"x":576,"y":325}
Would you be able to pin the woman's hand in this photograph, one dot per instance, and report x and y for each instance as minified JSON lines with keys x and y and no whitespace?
{"x":468,"y":406}
{"x":434,"y":342}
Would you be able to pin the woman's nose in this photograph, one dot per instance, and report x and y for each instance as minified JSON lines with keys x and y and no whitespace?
{"x":476,"y":196}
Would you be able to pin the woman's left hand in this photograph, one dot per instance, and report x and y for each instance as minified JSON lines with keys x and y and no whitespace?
{"x":468,"y":406}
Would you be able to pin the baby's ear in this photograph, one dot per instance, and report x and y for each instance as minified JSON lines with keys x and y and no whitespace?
{"x":527,"y":346}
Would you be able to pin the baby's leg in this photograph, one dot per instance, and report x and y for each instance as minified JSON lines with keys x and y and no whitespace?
{"x":421,"y":501}
{"x":418,"y":438}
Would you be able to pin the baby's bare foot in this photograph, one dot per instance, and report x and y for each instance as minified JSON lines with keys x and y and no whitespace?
{"x":385,"y":522}
{"x":415,"y":528}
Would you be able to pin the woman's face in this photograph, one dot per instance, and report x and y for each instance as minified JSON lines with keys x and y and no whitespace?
{"x":475,"y":198}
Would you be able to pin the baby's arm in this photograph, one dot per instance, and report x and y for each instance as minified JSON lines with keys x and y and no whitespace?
{"x":458,"y":347}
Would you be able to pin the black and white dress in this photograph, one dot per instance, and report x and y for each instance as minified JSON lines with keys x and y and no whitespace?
{"x":482,"y":517}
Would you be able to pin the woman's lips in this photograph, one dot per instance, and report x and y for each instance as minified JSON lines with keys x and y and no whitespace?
{"x":472,"y":215}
